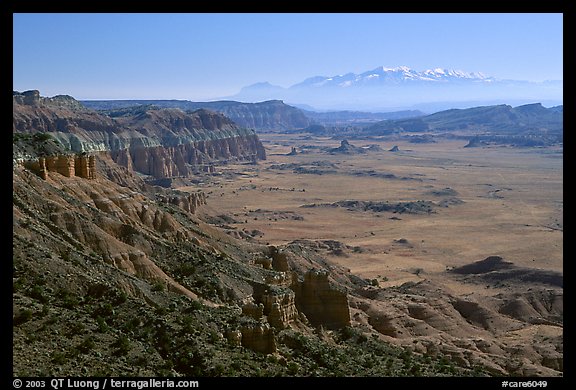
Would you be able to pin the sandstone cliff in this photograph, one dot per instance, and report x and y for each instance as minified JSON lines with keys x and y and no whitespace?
{"x":322,"y":303}
{"x":161,"y":143}
{"x":66,"y":165}
{"x":278,"y":304}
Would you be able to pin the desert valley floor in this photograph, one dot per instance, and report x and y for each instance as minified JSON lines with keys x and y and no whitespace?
{"x":460,"y":204}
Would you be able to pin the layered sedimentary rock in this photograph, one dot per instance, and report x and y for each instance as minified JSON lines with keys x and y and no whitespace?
{"x":66,"y":165}
{"x":322,"y":303}
{"x":160,"y":143}
{"x":189,"y":202}
{"x":253,"y":310}
{"x":258,"y":337}
{"x":85,"y":167}
{"x":278,"y":304}
{"x":266,"y":115}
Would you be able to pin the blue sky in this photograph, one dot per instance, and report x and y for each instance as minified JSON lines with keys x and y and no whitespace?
{"x":208,"y":56}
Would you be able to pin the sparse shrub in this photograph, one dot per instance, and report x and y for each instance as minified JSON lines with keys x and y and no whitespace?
{"x":67,"y":299}
{"x":121,"y":297}
{"x":158,"y":286}
{"x":218,"y":370}
{"x":236,"y":366}
{"x":17,"y":285}
{"x":65,"y":255}
{"x":42,"y":137}
{"x":141,"y":360}
{"x":77,"y":328}
{"x":102,"y":325}
{"x":22,"y":317}
{"x":214,"y":337}
{"x":51,"y":320}
{"x":86,"y":345}
{"x":45,"y":311}
{"x":186,"y":269}
{"x":59,"y":358}
{"x":104,"y":310}
{"x":160,"y":310}
{"x":38,"y":293}
{"x":131,"y":325}
{"x":122,"y":345}
{"x":415,"y":370}
{"x":347,"y":333}
{"x":293,"y":368}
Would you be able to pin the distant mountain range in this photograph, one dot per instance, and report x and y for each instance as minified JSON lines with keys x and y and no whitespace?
{"x":386,"y":89}
{"x":500,"y":119}
{"x":271,"y":115}
{"x":527,"y":125}
{"x":268,"y":115}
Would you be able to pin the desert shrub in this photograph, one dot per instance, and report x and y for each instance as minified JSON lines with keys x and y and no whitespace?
{"x":77,"y":328}
{"x":67,"y":299}
{"x":59,"y":358}
{"x":186,"y":269}
{"x":121,"y":345}
{"x":103,"y":310}
{"x":87,"y":345}
{"x":102,"y":325}
{"x":22,"y":317}
{"x":38,"y":293}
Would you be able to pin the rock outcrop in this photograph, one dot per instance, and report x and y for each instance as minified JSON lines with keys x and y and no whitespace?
{"x":278,"y":304}
{"x":322,"y":303}
{"x":258,"y":337}
{"x":66,"y":165}
{"x":347,"y":148}
{"x":279,"y":259}
{"x":189,"y":202}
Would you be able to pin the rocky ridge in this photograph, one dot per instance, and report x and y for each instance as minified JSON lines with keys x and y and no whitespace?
{"x":270,"y":115}
{"x":161,"y":143}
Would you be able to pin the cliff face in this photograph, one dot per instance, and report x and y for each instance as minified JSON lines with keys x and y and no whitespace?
{"x":187,"y":202}
{"x":69,"y":166}
{"x":276,"y":302}
{"x":269,"y":115}
{"x":320,"y":302}
{"x":157,"y":142}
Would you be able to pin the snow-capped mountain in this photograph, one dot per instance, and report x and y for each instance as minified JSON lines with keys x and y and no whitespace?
{"x":402,"y":87}
{"x":392,"y":76}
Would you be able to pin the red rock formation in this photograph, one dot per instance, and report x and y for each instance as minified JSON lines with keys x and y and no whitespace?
{"x":85,"y":167}
{"x":282,"y":311}
{"x":66,"y":165}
